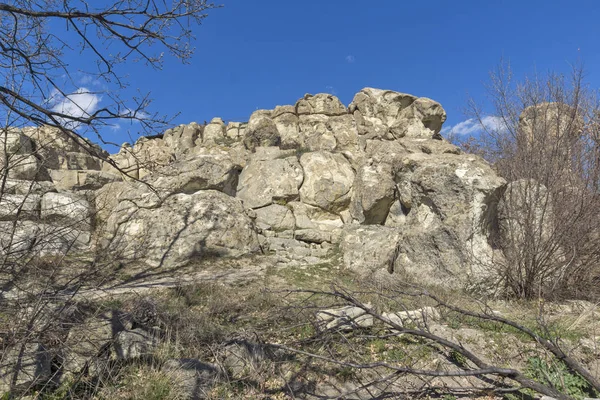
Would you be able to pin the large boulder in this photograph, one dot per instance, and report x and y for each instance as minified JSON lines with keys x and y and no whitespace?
{"x":446,"y":201}
{"x":328,"y":179}
{"x":19,"y":206}
{"x":174,"y":230}
{"x":369,"y":249}
{"x":214,"y":132}
{"x":288,"y":125}
{"x":65,"y":209}
{"x":208,"y":171}
{"x":264,"y":182}
{"x":373,"y":194}
{"x":13,"y":141}
{"x":275,"y":217}
{"x":261,"y":131}
{"x":25,"y":364}
{"x":392,"y":115}
{"x":183,"y":137}
{"x":321,"y":103}
{"x":59,"y":150}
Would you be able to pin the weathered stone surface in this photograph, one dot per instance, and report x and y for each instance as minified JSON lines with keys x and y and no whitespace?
{"x":56,"y":150}
{"x":183,"y":138}
{"x":524,"y":216}
{"x":15,"y":142}
{"x":311,"y":217}
{"x":25,"y":167}
{"x":150,"y":155}
{"x":66,"y":208}
{"x":373,"y":194}
{"x":317,"y":133}
{"x":135,"y":343}
{"x":261,"y":131}
{"x":21,"y":187}
{"x":288,"y":125}
{"x":86,"y":341}
{"x":242,"y":358}
{"x":275,"y":217}
{"x":321,"y":103}
{"x":412,"y":317}
{"x":17,"y":239}
{"x":56,"y":240}
{"x":30,"y":364}
{"x":211,"y":171}
{"x":214,"y":131}
{"x":345,"y":318}
{"x":328,"y":180}
{"x":406,"y":201}
{"x":263,"y":182}
{"x":235,"y":130}
{"x":445,"y":199}
{"x":313,"y":236}
{"x":179,"y":228}
{"x":82,"y":179}
{"x":19,"y":206}
{"x":392,"y":115}
{"x":369,"y":248}
{"x":191,"y":376}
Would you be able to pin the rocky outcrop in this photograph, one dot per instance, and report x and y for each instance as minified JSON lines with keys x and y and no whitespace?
{"x":375,"y":178}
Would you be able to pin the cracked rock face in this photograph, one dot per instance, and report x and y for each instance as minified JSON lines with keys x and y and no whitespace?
{"x":374,"y":177}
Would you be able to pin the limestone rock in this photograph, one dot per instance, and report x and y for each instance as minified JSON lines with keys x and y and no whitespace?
{"x":275,"y":217}
{"x":321,"y":103}
{"x":373,"y":194}
{"x":369,"y":248}
{"x":313,"y":236}
{"x":261,"y":131}
{"x":345,"y":318}
{"x":211,"y":171}
{"x":262,"y":183}
{"x":392,"y":115}
{"x":17,"y":239}
{"x":242,"y":358}
{"x":30,"y":363}
{"x":22,"y":187}
{"x":183,"y":137}
{"x":82,"y":179}
{"x":135,"y":343}
{"x":66,"y":208}
{"x":328,"y":180}
{"x":215,"y":131}
{"x":175,"y":230}
{"x":19,"y":206}
{"x":311,"y":217}
{"x":26,"y":167}
{"x":15,"y":142}
{"x":235,"y":130}
{"x":191,"y":376}
{"x":288,"y":125}
{"x":57,"y":150}
{"x":317,"y":133}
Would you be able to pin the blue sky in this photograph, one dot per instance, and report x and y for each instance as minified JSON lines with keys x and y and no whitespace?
{"x":259,"y":54}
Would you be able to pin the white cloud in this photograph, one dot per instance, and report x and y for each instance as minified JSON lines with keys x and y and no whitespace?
{"x":331,"y":89}
{"x":134,"y":115}
{"x":79,"y":104}
{"x":89,"y":80}
{"x":350,"y":59}
{"x":114,"y":127}
{"x":472,"y":126}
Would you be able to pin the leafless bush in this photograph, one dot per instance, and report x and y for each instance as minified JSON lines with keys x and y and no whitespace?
{"x":403,"y":351}
{"x":546,"y":144}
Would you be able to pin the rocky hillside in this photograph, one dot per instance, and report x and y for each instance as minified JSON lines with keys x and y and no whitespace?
{"x":374,"y":181}
{"x":113,"y":265}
